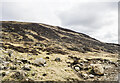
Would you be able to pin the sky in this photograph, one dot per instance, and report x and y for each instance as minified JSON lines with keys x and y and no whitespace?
{"x":96,"y":18}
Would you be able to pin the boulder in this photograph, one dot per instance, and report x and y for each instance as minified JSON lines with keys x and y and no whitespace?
{"x":98,"y":69}
{"x":40,"y":61}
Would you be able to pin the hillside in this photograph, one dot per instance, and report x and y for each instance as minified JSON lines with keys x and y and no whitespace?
{"x":51,"y":53}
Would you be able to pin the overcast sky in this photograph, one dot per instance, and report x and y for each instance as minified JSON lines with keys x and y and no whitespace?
{"x":97,"y":18}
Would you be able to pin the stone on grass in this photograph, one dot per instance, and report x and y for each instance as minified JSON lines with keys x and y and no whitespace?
{"x":39,"y":62}
{"x":77,"y":68}
{"x":98,"y":69}
{"x":26,"y":67}
{"x":19,"y":75}
{"x":91,"y":76}
{"x":57,"y":59}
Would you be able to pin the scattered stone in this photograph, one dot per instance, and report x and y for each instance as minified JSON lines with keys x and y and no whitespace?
{"x":10,"y":53}
{"x":6,"y":63}
{"x":3,"y":74}
{"x":47,"y":57}
{"x":7,"y":58}
{"x":85,"y":60}
{"x":1,"y":60}
{"x":106,"y":60}
{"x":19,"y":62}
{"x":98,"y":69}
{"x":39,"y":62}
{"x":117,"y":64}
{"x":19,"y":75}
{"x":81,"y":64}
{"x":30,"y":80}
{"x":44,"y":74}
{"x":84,"y":75}
{"x":26,"y":67}
{"x":3,"y":67}
{"x":33,"y":74}
{"x":48,"y":53}
{"x":24,"y":61}
{"x":13,"y":67}
{"x":91,"y":76}
{"x":29,"y":54}
{"x":57,"y":59}
{"x":77,"y":68}
{"x":69,"y":61}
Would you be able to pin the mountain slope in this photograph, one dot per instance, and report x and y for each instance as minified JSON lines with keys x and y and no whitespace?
{"x":40,"y":52}
{"x":33,"y":33}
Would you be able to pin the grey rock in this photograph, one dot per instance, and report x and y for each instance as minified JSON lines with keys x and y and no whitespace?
{"x":57,"y":59}
{"x":26,"y":67}
{"x":47,"y":57}
{"x":81,"y":64}
{"x":4,"y":73}
{"x":1,"y":67}
{"x":7,"y":58}
{"x":30,"y":80}
{"x":6,"y":63}
{"x":44,"y":74}
{"x":91,"y":76}
{"x":98,"y":69}
{"x":24,"y":61}
{"x":1,"y":60}
{"x":13,"y":67}
{"x":19,"y":62}
{"x":33,"y":74}
{"x":10,"y":52}
{"x":40,"y":61}
{"x":85,"y":76}
{"x":29,"y":54}
{"x":77,"y":68}
{"x":19,"y":75}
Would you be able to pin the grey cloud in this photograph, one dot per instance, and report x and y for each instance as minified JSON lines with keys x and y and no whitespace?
{"x":92,"y":18}
{"x":87,"y":18}
{"x":88,"y":14}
